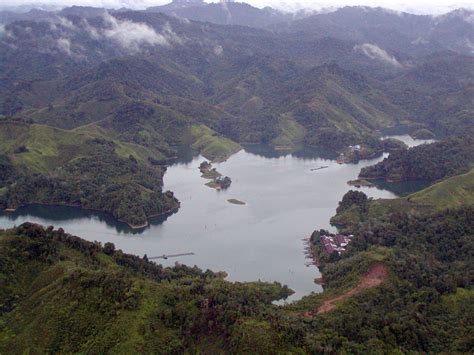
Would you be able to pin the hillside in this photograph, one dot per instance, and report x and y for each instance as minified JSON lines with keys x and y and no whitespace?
{"x":450,"y":193}
{"x":95,"y":103}
{"x":396,"y":32}
{"x":52,"y":166}
{"x":428,"y":162}
{"x":246,"y":84}
{"x":148,"y":82}
{"x":230,"y":13}
{"x":438,"y":92}
{"x":62,"y":294}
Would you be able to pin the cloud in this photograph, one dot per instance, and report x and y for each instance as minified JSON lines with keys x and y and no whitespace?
{"x":417,"y":6}
{"x":64,"y":45}
{"x":375,"y":52}
{"x":434,"y":7}
{"x":170,"y":35}
{"x":59,"y":22}
{"x":66,"y":23}
{"x":131,"y":35}
{"x":218,"y":50}
{"x":91,"y":31}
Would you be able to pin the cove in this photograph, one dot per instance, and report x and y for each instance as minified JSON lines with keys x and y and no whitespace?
{"x":262,"y":240}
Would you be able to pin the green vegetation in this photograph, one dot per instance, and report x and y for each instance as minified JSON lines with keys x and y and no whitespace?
{"x":426,"y":162}
{"x":92,"y":124}
{"x":60,"y":293}
{"x":392,"y":145}
{"x":429,"y":261}
{"x":211,"y":145}
{"x":352,"y":208}
{"x":71,"y":168}
{"x":423,"y":133}
{"x":452,"y":193}
{"x":208,"y":172}
{"x":251,"y":86}
{"x":292,"y":134}
{"x":445,"y":160}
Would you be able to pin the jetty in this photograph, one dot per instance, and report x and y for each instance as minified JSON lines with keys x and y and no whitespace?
{"x":164,"y":256}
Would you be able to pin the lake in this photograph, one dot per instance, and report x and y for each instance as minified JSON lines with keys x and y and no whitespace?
{"x":262,"y":240}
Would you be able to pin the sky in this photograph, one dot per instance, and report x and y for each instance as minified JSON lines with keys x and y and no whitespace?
{"x":413,"y":6}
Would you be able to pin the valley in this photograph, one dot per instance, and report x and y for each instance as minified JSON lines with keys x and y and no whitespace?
{"x":244,"y":241}
{"x":218,"y":178}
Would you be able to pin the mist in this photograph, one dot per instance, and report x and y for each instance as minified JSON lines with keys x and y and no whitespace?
{"x":434,"y":7}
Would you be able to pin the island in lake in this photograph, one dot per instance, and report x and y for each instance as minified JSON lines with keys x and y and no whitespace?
{"x":218,"y":181}
{"x":236,"y":202}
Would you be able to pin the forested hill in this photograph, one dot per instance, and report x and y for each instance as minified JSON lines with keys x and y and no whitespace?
{"x":450,"y":193}
{"x":230,"y":13}
{"x":429,"y":162}
{"x":41,"y":164}
{"x":446,"y":165}
{"x":148,"y":82}
{"x":63,"y":294}
{"x":247,"y":84}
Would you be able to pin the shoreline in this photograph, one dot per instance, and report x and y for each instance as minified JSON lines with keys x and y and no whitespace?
{"x":131,"y":226}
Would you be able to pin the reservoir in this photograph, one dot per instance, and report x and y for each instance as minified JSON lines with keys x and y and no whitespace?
{"x":285,"y":201}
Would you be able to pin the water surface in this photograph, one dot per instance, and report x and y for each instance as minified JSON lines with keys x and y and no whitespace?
{"x":285,"y":202}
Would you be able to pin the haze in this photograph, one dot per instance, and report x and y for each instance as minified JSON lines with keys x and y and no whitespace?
{"x":418,"y":6}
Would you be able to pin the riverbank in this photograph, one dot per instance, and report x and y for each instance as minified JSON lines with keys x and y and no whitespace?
{"x":134,"y":227}
{"x":254,"y":238}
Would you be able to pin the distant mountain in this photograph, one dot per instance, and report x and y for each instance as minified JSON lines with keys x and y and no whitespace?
{"x":438,"y":92}
{"x":88,"y":91}
{"x":390,"y":30}
{"x":177,"y":5}
{"x":31,"y":15}
{"x":250,"y":85}
{"x":224,"y":13}
{"x":93,"y":104}
{"x":82,"y":11}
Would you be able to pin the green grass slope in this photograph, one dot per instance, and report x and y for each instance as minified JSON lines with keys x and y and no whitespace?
{"x":450,"y":193}
{"x":81,"y":168}
{"x":62,"y":294}
{"x":210,"y":144}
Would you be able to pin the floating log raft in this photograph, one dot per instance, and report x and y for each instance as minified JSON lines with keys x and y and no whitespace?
{"x":164,"y":256}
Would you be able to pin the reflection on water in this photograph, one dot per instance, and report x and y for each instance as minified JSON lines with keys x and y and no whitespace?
{"x":402,"y":188}
{"x":56,"y":214}
{"x":185,"y":155}
{"x":303,"y":152}
{"x":285,"y":202}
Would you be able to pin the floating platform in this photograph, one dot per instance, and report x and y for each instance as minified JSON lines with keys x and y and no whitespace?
{"x":164,"y":256}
